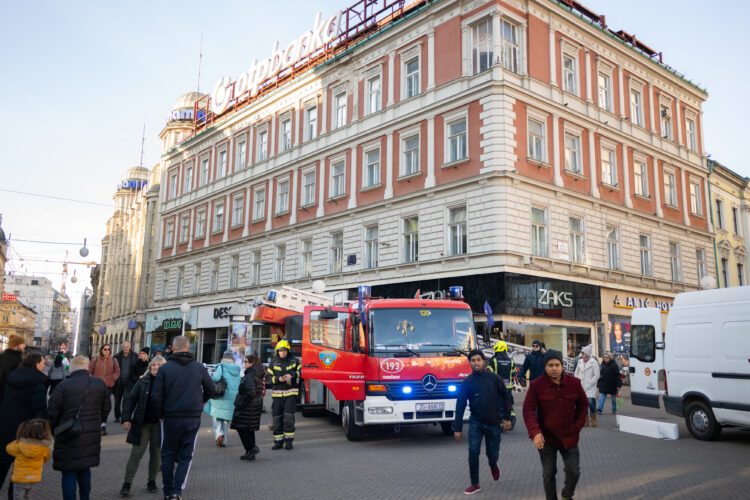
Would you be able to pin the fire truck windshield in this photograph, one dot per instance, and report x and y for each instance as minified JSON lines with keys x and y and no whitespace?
{"x":421,"y":331}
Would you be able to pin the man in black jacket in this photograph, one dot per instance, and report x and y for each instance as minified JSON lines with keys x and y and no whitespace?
{"x":181,"y":388}
{"x":489,"y":403}
{"x":10,"y":359}
{"x":127,"y":359}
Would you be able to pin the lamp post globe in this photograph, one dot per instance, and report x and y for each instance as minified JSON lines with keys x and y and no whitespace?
{"x":185,"y":308}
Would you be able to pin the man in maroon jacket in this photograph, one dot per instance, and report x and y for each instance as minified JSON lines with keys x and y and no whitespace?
{"x":554,"y":412}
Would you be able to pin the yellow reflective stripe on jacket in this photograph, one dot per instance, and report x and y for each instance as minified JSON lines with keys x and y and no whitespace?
{"x":280,"y":393}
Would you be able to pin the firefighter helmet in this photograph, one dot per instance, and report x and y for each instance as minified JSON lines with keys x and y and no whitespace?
{"x":501,"y":346}
{"x":283,"y":344}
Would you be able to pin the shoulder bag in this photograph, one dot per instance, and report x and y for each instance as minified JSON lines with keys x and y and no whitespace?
{"x":220,"y":387}
{"x":70,"y":428}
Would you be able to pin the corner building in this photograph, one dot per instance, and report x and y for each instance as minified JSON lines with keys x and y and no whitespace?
{"x":522,"y":149}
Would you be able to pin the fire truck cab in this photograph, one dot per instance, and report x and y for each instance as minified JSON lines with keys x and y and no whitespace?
{"x":388,"y":361}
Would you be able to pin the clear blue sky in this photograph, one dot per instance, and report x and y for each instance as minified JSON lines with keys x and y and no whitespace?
{"x":79,"y":79}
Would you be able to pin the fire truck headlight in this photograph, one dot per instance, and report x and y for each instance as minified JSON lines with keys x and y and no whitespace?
{"x":451,"y":388}
{"x":406,"y":389}
{"x":380,"y":410}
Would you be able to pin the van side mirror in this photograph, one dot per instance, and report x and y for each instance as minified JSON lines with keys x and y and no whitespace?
{"x":659,"y":345}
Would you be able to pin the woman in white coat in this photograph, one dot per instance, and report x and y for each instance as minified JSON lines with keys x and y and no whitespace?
{"x":587,"y":370}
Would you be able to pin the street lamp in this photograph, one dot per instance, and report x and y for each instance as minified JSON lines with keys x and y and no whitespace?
{"x":185,"y":308}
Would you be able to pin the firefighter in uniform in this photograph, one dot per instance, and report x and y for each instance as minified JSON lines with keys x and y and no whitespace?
{"x":505,"y":368}
{"x":284,"y":375}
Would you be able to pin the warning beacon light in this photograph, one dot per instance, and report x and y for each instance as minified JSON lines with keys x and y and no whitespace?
{"x":406,"y":389}
{"x":364,"y":291}
{"x":457,"y":292}
{"x":271,"y":296}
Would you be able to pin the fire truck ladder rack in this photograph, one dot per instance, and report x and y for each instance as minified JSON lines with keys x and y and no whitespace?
{"x":294,"y":299}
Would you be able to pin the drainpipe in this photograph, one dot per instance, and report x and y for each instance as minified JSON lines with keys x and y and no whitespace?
{"x":713,"y":224}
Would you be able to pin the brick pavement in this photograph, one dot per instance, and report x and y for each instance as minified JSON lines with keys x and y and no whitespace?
{"x":421,"y":463}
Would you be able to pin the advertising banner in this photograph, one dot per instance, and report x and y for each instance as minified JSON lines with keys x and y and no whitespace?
{"x":238,"y":342}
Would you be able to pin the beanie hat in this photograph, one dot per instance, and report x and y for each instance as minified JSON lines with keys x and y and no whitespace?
{"x":15,"y":341}
{"x":588,"y":350}
{"x":536,"y":342}
{"x":552,"y":354}
{"x":228,"y":354}
{"x":146,"y":350}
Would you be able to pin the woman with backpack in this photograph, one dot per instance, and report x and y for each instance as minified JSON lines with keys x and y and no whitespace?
{"x":227,"y":374}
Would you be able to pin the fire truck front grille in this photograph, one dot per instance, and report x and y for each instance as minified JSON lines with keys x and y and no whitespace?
{"x":395,"y":390}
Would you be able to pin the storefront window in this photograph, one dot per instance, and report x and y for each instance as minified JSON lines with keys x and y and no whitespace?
{"x":160,"y":340}
{"x":567,"y":339}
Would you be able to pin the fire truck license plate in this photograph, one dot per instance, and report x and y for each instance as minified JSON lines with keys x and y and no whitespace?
{"x":430,"y":406}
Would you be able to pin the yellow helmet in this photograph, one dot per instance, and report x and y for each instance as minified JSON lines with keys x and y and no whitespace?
{"x":283,"y":344}
{"x":501,"y":346}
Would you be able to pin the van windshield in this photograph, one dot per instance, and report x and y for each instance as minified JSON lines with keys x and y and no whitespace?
{"x":414,"y":331}
{"x":643,"y":343}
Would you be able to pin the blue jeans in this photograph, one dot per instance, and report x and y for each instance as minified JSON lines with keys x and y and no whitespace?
{"x":221,"y":428}
{"x":178,"y":436}
{"x":491,"y":435}
{"x":82,"y":478}
{"x":592,"y":405}
{"x":603,"y":398}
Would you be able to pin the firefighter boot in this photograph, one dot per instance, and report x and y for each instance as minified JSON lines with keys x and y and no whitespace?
{"x":593,"y":420}
{"x":288,"y":443}
{"x":278,"y":444}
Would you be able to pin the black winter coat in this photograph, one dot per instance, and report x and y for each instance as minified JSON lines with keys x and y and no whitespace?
{"x":609,"y":378}
{"x":25,"y":398}
{"x":140,"y":369}
{"x":10,"y":359}
{"x":83,"y":450}
{"x":134,"y":408}
{"x":132,"y":359}
{"x":181,"y":387}
{"x":249,"y":402}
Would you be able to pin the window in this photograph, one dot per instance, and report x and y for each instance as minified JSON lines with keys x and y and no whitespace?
{"x":285,"y":135}
{"x":613,"y":247}
{"x":573,"y":154}
{"x":537,"y":150}
{"x":338,"y":179}
{"x":674,"y":261}
{"x":645,"y":251}
{"x":720,"y":214}
{"x":308,"y":193}
{"x":410,"y":236}
{"x":339,"y":106}
{"x":736,"y":221}
{"x":640,"y":178}
{"x":222,"y":165}
{"x":164,"y":282}
{"x":371,"y":247}
{"x":410,"y":147}
{"x":666,"y":122}
{"x":169,"y":234}
{"x":218,"y":224}
{"x":696,"y":205}
{"x":576,"y":240}
{"x":234,"y":271}
{"x":481,"y":46}
{"x":569,"y":73}
{"x":282,"y":197}
{"x":196,"y":278}
{"x":262,"y":145}
{"x":241,"y":155}
{"x":609,"y":167}
{"x":307,"y":258}
{"x":311,"y":122}
{"x":740,"y":274}
{"x":636,"y":108}
{"x":184,"y":228}
{"x":187,"y":185}
{"x":725,"y":272}
{"x":411,"y":70}
{"x":692,"y":136}
{"x":255,"y":268}
{"x":457,"y":231}
{"x":259,"y":207}
{"x":509,"y":42}
{"x":457,"y":149}
{"x":605,"y":92}
{"x":337,"y":252}
{"x":200,"y":224}
{"x":173,"y":184}
{"x":700,"y":259}
{"x":180,"y":279}
{"x":238,"y":209}
{"x":670,"y":189}
{"x":204,"y":171}
{"x":372,"y":168}
{"x":214,"y":281}
{"x":539,"y":231}
{"x":373,"y":94}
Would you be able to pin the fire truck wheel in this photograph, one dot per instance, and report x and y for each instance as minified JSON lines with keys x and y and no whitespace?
{"x":351,"y":429}
{"x":447,"y":428}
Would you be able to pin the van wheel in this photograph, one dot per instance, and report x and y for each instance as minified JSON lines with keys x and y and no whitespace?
{"x":353,"y":431}
{"x":701,"y":422}
{"x":447,"y":428}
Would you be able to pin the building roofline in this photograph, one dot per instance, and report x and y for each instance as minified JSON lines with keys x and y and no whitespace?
{"x":726,"y":170}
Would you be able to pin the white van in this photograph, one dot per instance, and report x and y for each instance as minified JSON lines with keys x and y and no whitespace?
{"x":703,"y":359}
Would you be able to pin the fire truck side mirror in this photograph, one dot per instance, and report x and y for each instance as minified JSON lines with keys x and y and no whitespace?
{"x":354,"y":320}
{"x":328,"y":314}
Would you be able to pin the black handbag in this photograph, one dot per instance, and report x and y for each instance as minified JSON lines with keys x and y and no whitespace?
{"x":220,"y":387}
{"x":70,"y":428}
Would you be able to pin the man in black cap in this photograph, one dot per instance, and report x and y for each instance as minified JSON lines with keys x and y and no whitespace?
{"x":533,"y":363}
{"x":554,"y":412}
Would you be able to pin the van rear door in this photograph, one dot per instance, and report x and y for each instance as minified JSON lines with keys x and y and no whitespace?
{"x":646,"y":357}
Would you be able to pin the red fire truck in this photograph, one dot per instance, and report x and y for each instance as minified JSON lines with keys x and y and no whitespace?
{"x":388,"y":361}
